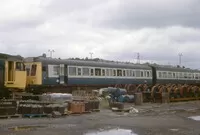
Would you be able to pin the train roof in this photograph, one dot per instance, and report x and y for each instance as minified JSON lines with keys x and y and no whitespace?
{"x":11,"y":57}
{"x":91,"y":63}
{"x":174,"y":69}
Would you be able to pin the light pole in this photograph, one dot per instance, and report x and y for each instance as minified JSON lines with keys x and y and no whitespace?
{"x":51,"y":52}
{"x":180,"y":55}
{"x":91,"y":54}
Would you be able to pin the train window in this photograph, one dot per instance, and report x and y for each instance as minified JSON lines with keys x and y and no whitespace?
{"x":159,"y":74}
{"x":164,"y":74}
{"x":114,"y":72}
{"x":110,"y":72}
{"x":119,"y":72}
{"x":107,"y":72}
{"x":174,"y":75}
{"x":97,"y":72}
{"x":148,"y":74}
{"x":169,"y":74}
{"x":56,"y":70}
{"x":177,"y":75}
{"x":128,"y":72}
{"x":189,"y":76}
{"x":19,"y":66}
{"x":85,"y":71}
{"x":193,"y":76}
{"x":62,"y":70}
{"x":124,"y":72}
{"x":79,"y":71}
{"x":196,"y":76}
{"x":72,"y":70}
{"x":137,"y":73}
{"x":133,"y":73}
{"x":180,"y":75}
{"x":91,"y":72}
{"x":185,"y":75}
{"x":33,"y":69}
{"x":141,"y":73}
{"x":28,"y":68}
{"x":103,"y":72}
{"x":44,"y":68}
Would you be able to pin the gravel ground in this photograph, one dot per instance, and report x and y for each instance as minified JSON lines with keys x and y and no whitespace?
{"x":152,"y":119}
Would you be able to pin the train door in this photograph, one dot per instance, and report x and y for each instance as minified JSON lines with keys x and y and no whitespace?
{"x":66,"y":74}
{"x":62,"y":73}
{"x":154,"y":75}
{"x":10,"y":71}
{"x":1,"y":76}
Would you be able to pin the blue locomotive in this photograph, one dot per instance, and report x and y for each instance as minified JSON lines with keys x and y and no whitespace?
{"x":42,"y":71}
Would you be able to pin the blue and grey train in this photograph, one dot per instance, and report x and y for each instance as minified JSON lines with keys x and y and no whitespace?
{"x":56,"y":72}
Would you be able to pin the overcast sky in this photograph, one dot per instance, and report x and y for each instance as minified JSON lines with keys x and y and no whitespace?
{"x":112,"y":29}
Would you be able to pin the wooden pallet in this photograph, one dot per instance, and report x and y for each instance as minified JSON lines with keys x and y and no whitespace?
{"x":34,"y":115}
{"x":9,"y":116}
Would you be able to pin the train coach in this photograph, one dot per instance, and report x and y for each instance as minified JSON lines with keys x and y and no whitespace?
{"x":175,"y":75}
{"x":47,"y":71}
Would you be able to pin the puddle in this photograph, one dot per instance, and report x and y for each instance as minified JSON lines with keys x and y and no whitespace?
{"x":197,"y":118}
{"x":113,"y":132}
{"x":174,"y":130}
{"x":25,"y":128}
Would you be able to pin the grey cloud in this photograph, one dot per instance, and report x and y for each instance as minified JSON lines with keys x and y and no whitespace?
{"x":155,"y":13}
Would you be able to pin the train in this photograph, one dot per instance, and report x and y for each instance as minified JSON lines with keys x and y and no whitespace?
{"x":43,"y":74}
{"x":12,"y":74}
{"x":71,"y":72}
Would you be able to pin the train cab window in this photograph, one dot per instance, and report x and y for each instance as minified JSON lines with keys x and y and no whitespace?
{"x":97,"y":72}
{"x":72,"y":71}
{"x":33,"y":69}
{"x":19,"y":66}
{"x":86,"y":71}
{"x":103,"y":72}
{"x":79,"y":72}
{"x":91,"y":72}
